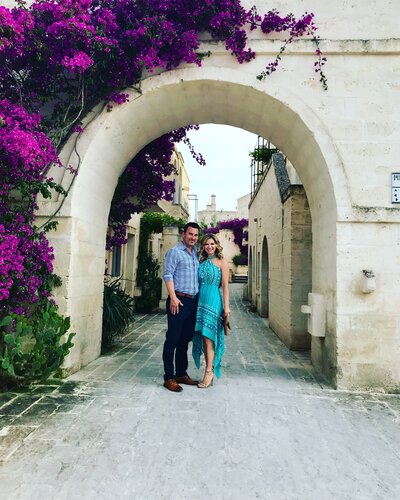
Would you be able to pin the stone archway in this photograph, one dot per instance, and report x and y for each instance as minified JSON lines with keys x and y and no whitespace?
{"x":264,"y":279}
{"x":166,"y":102}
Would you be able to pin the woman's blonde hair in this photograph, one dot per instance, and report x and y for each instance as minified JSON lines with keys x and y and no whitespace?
{"x":218,"y":249}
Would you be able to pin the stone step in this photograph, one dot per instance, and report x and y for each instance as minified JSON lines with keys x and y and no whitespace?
{"x":239,"y":278}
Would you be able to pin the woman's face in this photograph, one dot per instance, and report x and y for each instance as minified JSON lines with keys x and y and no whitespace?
{"x":210,"y":246}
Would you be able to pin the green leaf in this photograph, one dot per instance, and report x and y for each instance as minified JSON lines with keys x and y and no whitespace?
{"x":6,"y":321}
{"x":5,"y":363}
{"x":9,"y":339}
{"x":27,"y":330}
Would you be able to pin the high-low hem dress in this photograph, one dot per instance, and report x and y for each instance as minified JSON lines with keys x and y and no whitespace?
{"x":209,"y":314}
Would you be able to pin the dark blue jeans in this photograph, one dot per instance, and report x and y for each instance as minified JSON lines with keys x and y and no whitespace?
{"x":179,"y":334}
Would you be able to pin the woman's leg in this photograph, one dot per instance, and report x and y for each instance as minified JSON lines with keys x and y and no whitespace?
{"x":205,"y":350}
{"x":209,"y":353}
{"x":209,"y":356}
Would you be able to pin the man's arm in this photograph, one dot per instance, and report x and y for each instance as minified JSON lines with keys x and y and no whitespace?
{"x":174,"y":301}
{"x":170,"y":264}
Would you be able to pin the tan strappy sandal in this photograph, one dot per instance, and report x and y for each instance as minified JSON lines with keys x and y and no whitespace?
{"x":203,"y":384}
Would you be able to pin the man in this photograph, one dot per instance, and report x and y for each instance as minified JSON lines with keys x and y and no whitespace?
{"x":181,"y":279}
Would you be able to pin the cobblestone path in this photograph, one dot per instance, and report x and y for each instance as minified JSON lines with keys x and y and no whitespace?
{"x":268,"y":429}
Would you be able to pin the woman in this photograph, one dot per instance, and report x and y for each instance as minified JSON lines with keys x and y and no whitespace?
{"x":209,"y":332}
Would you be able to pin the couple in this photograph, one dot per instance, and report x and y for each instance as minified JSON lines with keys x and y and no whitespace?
{"x":194,"y":307}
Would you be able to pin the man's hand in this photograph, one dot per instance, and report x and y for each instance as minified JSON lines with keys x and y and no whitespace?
{"x":174,"y":305}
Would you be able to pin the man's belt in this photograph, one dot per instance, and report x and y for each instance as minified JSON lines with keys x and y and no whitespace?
{"x":187,"y":295}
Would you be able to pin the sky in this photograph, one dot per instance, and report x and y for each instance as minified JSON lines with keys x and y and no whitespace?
{"x":227,"y":173}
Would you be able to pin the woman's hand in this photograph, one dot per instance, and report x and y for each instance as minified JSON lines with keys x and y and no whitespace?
{"x":226,"y":312}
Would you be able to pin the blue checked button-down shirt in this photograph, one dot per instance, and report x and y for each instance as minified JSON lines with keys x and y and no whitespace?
{"x":181,"y":267}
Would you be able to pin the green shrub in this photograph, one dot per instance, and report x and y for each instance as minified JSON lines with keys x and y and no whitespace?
{"x":150,"y":283}
{"x":118,"y":312}
{"x":263,"y":154}
{"x":150,"y":298}
{"x":31,"y":348}
{"x":240,"y":260}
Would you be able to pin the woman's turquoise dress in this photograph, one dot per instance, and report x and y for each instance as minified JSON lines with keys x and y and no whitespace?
{"x":209,"y":314}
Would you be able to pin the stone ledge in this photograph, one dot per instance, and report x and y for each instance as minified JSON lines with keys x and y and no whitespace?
{"x":307,"y":46}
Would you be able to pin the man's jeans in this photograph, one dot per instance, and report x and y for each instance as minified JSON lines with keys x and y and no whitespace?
{"x":179,"y":334}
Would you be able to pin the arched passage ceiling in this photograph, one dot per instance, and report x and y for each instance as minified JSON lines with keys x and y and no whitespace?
{"x":209,"y":95}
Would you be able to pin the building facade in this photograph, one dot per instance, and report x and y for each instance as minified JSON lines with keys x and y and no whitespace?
{"x":210,"y":216}
{"x":280,"y":252}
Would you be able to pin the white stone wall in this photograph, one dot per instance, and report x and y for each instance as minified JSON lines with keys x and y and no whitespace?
{"x":230,"y":249}
{"x":344,"y":143}
{"x":243,"y":206}
{"x":280,"y":236}
{"x":301,"y":264}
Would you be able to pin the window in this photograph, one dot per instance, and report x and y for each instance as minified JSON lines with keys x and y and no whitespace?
{"x":116,"y":262}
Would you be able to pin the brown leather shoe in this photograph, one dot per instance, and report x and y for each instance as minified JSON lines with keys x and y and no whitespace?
{"x":185,"y":379}
{"x":172,"y":385}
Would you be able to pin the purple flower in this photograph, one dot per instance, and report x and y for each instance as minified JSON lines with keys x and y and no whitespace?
{"x":237,"y":226}
{"x":78,"y":62}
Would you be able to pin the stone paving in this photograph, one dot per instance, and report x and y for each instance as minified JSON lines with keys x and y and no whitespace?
{"x":268,"y":429}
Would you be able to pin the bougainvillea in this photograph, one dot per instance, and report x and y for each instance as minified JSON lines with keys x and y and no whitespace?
{"x":237,"y":226}
{"x":272,"y":21}
{"x":11,"y":263}
{"x":25,"y":254}
{"x":71,"y":54}
{"x":144,"y":182}
{"x":60,"y":58}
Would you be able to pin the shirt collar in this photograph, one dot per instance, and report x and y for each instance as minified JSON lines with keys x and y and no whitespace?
{"x":183,"y":247}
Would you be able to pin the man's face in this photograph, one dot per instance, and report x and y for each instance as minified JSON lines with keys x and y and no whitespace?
{"x":190,"y":237}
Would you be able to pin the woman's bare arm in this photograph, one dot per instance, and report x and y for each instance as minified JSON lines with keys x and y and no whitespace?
{"x":225,"y":286}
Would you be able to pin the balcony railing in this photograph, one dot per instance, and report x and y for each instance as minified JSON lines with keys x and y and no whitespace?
{"x":261,"y":162}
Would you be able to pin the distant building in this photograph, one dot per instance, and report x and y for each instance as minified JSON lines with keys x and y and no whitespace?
{"x":210,"y":216}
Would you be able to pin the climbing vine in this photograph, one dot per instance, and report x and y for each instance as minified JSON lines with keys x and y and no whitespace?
{"x":237,"y":226}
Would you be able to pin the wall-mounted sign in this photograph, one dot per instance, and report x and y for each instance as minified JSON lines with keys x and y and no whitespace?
{"x":396,"y":187}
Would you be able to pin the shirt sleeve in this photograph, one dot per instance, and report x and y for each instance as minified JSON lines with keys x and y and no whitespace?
{"x":170,"y":263}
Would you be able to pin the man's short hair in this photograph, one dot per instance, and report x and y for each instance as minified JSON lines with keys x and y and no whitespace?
{"x":194,"y":225}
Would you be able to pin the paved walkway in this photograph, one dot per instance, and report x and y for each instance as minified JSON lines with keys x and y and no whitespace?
{"x":268,"y":429}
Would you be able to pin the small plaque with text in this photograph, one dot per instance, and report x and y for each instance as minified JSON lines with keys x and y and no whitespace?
{"x":396,"y":187}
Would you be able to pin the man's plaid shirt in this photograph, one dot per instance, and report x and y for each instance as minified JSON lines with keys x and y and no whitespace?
{"x":181,"y":267}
